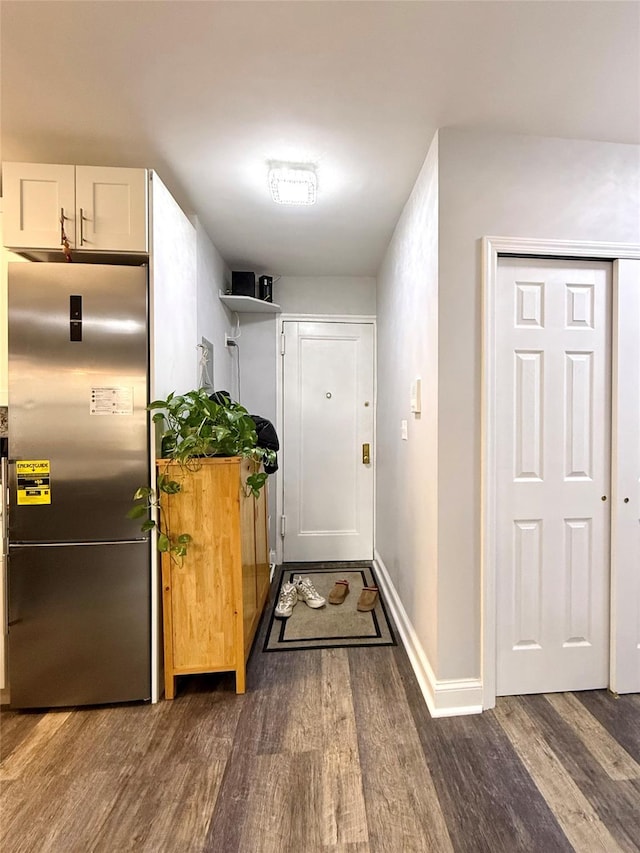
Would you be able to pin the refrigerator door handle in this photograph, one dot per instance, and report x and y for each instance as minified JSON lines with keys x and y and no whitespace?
{"x":22,"y":544}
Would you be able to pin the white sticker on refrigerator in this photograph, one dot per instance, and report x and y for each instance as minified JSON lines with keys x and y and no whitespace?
{"x":111,"y":401}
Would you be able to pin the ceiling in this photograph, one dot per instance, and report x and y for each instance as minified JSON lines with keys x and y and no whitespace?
{"x":209,"y":92}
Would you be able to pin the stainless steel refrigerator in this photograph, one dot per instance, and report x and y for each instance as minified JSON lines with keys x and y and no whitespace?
{"x":78,"y":568}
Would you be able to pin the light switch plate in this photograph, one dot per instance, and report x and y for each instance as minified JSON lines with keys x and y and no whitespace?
{"x":416,"y":393}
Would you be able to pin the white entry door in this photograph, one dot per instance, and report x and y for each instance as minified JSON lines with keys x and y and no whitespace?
{"x":553,"y":440}
{"x":328,"y":403}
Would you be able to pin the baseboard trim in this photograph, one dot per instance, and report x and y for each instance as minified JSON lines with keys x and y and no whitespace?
{"x":445,"y":697}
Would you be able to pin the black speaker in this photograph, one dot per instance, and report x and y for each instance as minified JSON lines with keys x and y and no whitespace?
{"x":266,"y":288}
{"x":243,"y":283}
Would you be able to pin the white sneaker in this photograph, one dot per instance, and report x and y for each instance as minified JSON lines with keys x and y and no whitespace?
{"x":307,"y":592}
{"x":287,"y":601}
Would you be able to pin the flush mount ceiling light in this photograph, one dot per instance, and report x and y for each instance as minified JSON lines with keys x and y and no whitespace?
{"x":293,"y":184}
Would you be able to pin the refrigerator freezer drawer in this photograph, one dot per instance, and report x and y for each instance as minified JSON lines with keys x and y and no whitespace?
{"x":79,"y":625}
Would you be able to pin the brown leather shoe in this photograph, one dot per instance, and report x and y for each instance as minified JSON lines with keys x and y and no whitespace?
{"x":339,"y":592}
{"x":368,"y":598}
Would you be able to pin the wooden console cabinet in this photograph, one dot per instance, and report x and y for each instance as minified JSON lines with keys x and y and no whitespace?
{"x":213,"y":599}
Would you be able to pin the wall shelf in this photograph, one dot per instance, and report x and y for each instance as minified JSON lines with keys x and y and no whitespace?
{"x":248,"y":304}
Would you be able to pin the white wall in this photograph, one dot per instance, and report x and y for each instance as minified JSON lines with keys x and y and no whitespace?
{"x":185,"y":297}
{"x":406,"y":486}
{"x":488,"y":184}
{"x":326,"y":295}
{"x":258,"y":364}
{"x":173,"y":327}
{"x":213,"y":319}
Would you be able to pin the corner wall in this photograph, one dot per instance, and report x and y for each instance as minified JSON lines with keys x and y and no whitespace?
{"x":407,"y":472}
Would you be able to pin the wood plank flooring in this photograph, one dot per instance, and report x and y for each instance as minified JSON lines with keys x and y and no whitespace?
{"x":329,"y":751}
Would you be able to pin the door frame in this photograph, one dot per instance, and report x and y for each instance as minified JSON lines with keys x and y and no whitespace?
{"x":492,"y":249}
{"x":279,"y":476}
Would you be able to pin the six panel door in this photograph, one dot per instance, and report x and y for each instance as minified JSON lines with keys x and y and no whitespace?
{"x":553,"y":486}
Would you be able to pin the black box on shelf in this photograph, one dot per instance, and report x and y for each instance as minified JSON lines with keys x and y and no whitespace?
{"x":266,"y":288}
{"x":243,"y":283}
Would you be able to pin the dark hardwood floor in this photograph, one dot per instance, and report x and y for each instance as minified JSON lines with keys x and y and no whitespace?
{"x":330,"y":751}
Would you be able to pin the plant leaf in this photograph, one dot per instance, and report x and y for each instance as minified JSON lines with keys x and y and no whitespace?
{"x":170,"y":487}
{"x":138,"y":511}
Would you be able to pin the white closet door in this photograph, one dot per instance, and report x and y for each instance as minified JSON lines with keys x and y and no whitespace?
{"x":553,"y":492}
{"x":625,"y":651}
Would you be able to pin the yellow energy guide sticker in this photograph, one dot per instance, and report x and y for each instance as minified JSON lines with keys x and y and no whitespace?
{"x":34,"y":482}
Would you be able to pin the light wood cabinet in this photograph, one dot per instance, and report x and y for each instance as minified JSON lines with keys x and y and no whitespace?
{"x":104,"y":207}
{"x":213,"y":599}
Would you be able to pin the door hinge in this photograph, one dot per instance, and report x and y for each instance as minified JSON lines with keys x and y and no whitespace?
{"x":282,"y":344}
{"x":283,"y":525}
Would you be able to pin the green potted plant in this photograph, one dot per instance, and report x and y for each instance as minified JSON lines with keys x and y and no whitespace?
{"x":195,"y":427}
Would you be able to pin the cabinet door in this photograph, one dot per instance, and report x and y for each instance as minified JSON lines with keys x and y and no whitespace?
{"x":35,"y":196}
{"x":249,"y":586}
{"x":111,"y":205}
{"x":262,"y":547}
{"x":200,"y":592}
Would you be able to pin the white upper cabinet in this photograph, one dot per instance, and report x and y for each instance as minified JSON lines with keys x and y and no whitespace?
{"x":36,"y":196}
{"x":101,"y":207}
{"x":111,"y":207}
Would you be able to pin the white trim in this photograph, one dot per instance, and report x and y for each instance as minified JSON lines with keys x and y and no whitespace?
{"x":452,"y":697}
{"x":279,"y":482}
{"x":327,"y":318}
{"x":624,"y":676}
{"x":317,"y":318}
{"x":156,"y":638}
{"x":560,"y":248}
{"x":491,"y":248}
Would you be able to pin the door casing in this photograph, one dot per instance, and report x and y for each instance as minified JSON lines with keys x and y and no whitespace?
{"x":492,"y":248}
{"x":315,"y":318}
